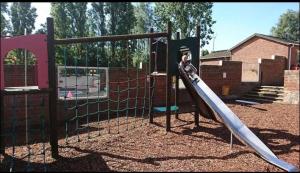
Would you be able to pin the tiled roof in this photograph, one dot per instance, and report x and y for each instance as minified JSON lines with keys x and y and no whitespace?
{"x":268,"y":37}
{"x":217,"y":54}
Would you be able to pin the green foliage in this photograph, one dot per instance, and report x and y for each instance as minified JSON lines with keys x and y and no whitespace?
{"x":61,"y":20}
{"x":22,"y":17}
{"x":17,"y":57}
{"x":76,"y":12}
{"x":204,"y":52}
{"x":121,"y":21}
{"x":185,"y":16}
{"x":144,"y":16}
{"x":141,"y":53}
{"x":70,"y":20}
{"x":43,"y":29}
{"x":97,"y":19}
{"x":4,"y":25}
{"x":97,"y":27}
{"x":287,"y":26}
{"x":73,"y":20}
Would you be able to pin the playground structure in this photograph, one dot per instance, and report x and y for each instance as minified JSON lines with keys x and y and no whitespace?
{"x":143,"y":84}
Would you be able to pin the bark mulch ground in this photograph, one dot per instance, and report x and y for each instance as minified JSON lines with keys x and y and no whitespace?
{"x":186,"y":148}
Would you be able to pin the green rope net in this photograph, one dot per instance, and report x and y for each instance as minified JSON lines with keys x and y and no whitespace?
{"x":126,"y":93}
{"x":20,"y":154}
{"x":119,"y":101}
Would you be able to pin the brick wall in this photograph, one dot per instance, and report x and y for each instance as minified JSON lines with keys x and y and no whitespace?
{"x":159,"y":97}
{"x":212,"y":62}
{"x":212,"y":75}
{"x":258,"y":48}
{"x":272,"y":71}
{"x":14,"y":75}
{"x":250,"y":72}
{"x":291,"y":86}
{"x":117,"y":76}
{"x":294,"y":54}
{"x":15,"y":108}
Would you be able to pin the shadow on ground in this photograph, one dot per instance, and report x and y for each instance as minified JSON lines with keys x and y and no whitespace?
{"x":93,"y":160}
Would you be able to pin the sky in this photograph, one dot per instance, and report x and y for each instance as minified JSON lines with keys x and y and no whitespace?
{"x":234,"y":21}
{"x":237,"y":21}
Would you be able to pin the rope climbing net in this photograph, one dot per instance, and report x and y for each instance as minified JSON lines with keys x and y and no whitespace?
{"x":20,"y":152}
{"x":102,"y":89}
{"x":111,"y":94}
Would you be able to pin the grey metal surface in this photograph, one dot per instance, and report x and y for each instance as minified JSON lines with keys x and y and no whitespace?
{"x":231,"y":121}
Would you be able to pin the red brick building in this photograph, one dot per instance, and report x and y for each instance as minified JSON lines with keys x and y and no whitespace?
{"x":214,"y":57}
{"x":259,"y":46}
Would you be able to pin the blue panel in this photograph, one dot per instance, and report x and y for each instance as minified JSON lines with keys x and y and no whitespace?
{"x":163,"y":109}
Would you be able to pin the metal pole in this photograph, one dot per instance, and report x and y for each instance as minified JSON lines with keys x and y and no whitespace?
{"x":168,"y":80}
{"x":52,"y":86}
{"x":25,"y":83}
{"x":214,"y":38}
{"x":231,"y":140}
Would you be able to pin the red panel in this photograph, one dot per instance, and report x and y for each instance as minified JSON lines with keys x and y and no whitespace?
{"x":37,"y":44}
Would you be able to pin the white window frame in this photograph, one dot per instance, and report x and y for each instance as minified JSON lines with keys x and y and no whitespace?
{"x":83,"y":67}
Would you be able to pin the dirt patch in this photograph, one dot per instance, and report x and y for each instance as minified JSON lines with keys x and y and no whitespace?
{"x":148,"y":147}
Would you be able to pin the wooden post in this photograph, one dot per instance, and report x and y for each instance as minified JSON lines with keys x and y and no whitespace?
{"x":177,"y":82}
{"x":197,"y":66}
{"x":53,"y":90}
{"x":196,"y":116}
{"x":151,"y":78}
{"x":112,"y":38}
{"x":2,"y":147}
{"x":168,"y":80}
{"x":197,"y":56}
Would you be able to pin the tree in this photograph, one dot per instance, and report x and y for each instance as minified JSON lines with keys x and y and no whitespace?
{"x":97,"y":26}
{"x":287,"y":26}
{"x":144,"y":16}
{"x":61,"y":21}
{"x":204,"y":52}
{"x":4,"y":27}
{"x":185,"y":16}
{"x":76,"y":12}
{"x":97,"y":19}
{"x":42,"y":29}
{"x":121,"y":21}
{"x":70,"y":21}
{"x":22,"y":17}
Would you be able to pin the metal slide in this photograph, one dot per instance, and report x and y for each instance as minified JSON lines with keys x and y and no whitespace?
{"x":195,"y":85}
